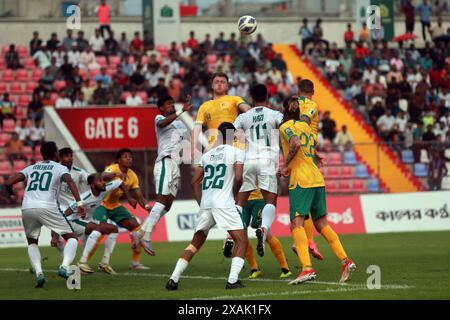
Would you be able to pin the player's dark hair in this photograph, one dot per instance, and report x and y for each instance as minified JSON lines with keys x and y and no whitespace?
{"x":220,"y":75}
{"x":121,"y":152}
{"x":224,"y":128}
{"x":287,"y":113}
{"x":306,"y":86}
{"x":162,"y":100}
{"x":92,"y":177}
{"x":49,"y":150}
{"x":65,"y":151}
{"x":258,"y":93}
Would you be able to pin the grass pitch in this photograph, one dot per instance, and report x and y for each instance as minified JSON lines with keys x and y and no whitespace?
{"x":413,"y":266}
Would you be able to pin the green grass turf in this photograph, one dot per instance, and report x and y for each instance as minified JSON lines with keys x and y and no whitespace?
{"x":418,"y":263}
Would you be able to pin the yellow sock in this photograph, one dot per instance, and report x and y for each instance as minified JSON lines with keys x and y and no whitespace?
{"x":278,"y":252}
{"x":251,"y":258}
{"x":97,"y":244}
{"x":309,"y":229}
{"x":334,"y":242}
{"x":301,"y":244}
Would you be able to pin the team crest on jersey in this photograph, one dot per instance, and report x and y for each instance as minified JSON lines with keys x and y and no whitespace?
{"x":311,"y":112}
{"x":208,"y":116}
{"x":224,"y":105}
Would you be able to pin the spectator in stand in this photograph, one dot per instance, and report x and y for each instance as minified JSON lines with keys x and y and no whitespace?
{"x":185,"y":53}
{"x":385,"y":124}
{"x":192,"y":43}
{"x":278,"y":62}
{"x":47,"y":100}
{"x":328,"y":127}
{"x":364,"y":33}
{"x":134,"y":100}
{"x":104,"y":78}
{"x":174,"y":66}
{"x":74,"y":55}
{"x":349,"y":36}
{"x":87,"y":59}
{"x":343,"y":140}
{"x":424,"y":11}
{"x":35,"y":107}
{"x":318,"y":34}
{"x":111,"y":45}
{"x":148,"y":42}
{"x":446,"y":118}
{"x":7,"y":109}
{"x":331,"y":65}
{"x":394,"y":75}
{"x":429,"y":139}
{"x":53,"y":43}
{"x":63,"y":101}
{"x":12,"y":58}
{"x":103,"y":12}
{"x":54,"y":67}
{"x":80,"y":100}
{"x":409,"y":11}
{"x":152,"y":75}
{"x":206,"y":45}
{"x":88,"y":91}
{"x":35,"y":43}
{"x":160,"y":89}
{"x":438,"y":30}
{"x":47,"y":79}
{"x":68,"y":41}
{"x":361,"y":53}
{"x":97,"y":43}
{"x":437,"y":169}
{"x":232,"y":43}
{"x":23,"y":132}
{"x":136,"y":45}
{"x":137,"y":79}
{"x":14,"y":149}
{"x":82,"y":43}
{"x":37,"y":134}
{"x":220,"y":44}
{"x":99,"y":97}
{"x":124,"y":44}
{"x":401,"y":120}
{"x":306,"y":34}
{"x":66,"y":70}
{"x":440,"y":131}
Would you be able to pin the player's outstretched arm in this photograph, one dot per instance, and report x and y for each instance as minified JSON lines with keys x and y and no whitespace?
{"x":132,"y":201}
{"x":73,"y":189}
{"x":238,"y":173}
{"x":197,"y":183}
{"x":244,"y":107}
{"x":15,"y":178}
{"x":172,"y":117}
{"x":108,"y":176}
{"x":137,"y":195}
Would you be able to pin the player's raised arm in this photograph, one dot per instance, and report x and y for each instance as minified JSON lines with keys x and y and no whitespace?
{"x":67,"y":178}
{"x":132,"y":201}
{"x":108,"y":176}
{"x":15,"y":178}
{"x":244,"y":107}
{"x":168,"y":102}
{"x":197,"y":183}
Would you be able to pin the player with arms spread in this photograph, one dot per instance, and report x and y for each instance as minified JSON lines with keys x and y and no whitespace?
{"x":216,"y":182}
{"x":307,"y":193}
{"x":40,"y":208}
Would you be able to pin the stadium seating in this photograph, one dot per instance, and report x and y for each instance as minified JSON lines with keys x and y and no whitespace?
{"x":361,"y":171}
{"x":420,"y":170}
{"x":344,"y":186}
{"x":8,"y":75}
{"x":350,"y":158}
{"x":36,"y":75}
{"x":16,"y":88}
{"x":2,"y":64}
{"x":114,"y":61}
{"x":29,"y":63}
{"x":332,"y":172}
{"x":373,"y":185}
{"x":334,"y":158}
{"x":407,"y":156}
{"x":22,"y":75}
{"x":9,"y":125}
{"x":28,"y":152}
{"x":58,"y":85}
{"x":3,"y":87}
{"x":19,"y":165}
{"x":346,"y":172}
{"x":5,"y":168}
{"x":331,"y":186}
{"x":23,"y":100}
{"x":4,"y":138}
{"x":359,"y":186}
{"x":30,"y":86}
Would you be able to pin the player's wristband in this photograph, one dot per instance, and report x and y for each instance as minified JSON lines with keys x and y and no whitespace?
{"x":80,"y":203}
{"x":179,"y":112}
{"x":147,"y":207}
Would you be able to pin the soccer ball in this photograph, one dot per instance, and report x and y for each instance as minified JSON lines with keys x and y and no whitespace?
{"x":247,"y":24}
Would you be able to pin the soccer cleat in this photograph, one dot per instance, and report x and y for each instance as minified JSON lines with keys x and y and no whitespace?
{"x":147,"y":245}
{"x":260,"y":245}
{"x":138,"y":266}
{"x":171,"y":285}
{"x":106,"y":268}
{"x":255,"y":274}
{"x":40,"y":280}
{"x":237,"y":285}
{"x":228,"y":248}
{"x":304,"y":276}
{"x":347,"y":269}
{"x":85,"y":268}
{"x":312,"y":247}
{"x":63,"y":273}
{"x":285,"y":273}
{"x":135,"y":240}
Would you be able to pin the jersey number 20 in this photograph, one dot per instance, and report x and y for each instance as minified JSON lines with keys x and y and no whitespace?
{"x":40,"y":181}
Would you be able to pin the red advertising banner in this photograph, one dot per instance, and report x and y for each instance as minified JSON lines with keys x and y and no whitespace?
{"x":344,"y":215}
{"x":105,"y":128}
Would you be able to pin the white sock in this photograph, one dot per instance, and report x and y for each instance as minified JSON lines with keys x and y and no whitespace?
{"x":155,"y":214}
{"x":70,"y":251}
{"x":90,"y":244}
{"x":236,"y":267}
{"x":179,"y":269}
{"x":268,"y":216}
{"x":35,"y":258}
{"x":109,"y":247}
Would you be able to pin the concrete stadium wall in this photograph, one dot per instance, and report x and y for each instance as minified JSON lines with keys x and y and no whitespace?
{"x":276,"y":30}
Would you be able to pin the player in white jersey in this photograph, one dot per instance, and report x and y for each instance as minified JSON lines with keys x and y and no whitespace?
{"x":169,"y":133}
{"x":40,"y":208}
{"x":79,"y":176}
{"x":216,"y":182}
{"x":261,"y":158}
{"x":91,"y":199}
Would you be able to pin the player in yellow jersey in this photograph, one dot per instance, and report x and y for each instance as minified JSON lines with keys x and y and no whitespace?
{"x":310,"y":113}
{"x":307,"y":193}
{"x":222,"y":108}
{"x":113,"y":209}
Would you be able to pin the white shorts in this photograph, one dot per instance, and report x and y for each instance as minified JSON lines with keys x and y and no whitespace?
{"x":79,"y":227}
{"x":167,"y":176}
{"x":225,"y":218}
{"x":34,"y":219}
{"x":262,"y":173}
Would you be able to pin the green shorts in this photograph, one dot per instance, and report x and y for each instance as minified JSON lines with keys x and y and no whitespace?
{"x":101,"y":214}
{"x":303,"y":201}
{"x":251,"y":213}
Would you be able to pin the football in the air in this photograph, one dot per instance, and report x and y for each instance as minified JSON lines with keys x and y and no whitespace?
{"x":247,"y":24}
